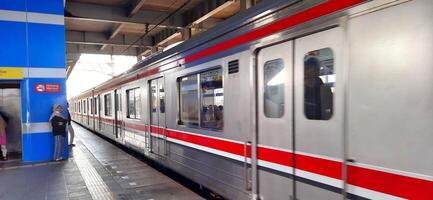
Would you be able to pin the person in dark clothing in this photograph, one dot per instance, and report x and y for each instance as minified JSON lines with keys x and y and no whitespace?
{"x":70,"y":130}
{"x":58,"y":123}
{"x":313,"y":89}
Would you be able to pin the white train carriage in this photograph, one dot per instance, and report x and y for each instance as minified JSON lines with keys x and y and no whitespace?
{"x":290,"y":100}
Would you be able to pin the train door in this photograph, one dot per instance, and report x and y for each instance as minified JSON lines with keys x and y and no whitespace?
{"x":275,"y":121}
{"x":157,"y":117}
{"x":118,"y":119}
{"x":99,"y":112}
{"x":319,"y":115}
{"x":93,"y":111}
{"x":88,"y":112}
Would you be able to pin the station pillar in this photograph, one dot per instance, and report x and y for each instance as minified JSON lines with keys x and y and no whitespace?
{"x":32,"y":56}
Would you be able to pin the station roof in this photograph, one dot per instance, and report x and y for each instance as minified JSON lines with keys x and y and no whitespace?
{"x":138,"y":27}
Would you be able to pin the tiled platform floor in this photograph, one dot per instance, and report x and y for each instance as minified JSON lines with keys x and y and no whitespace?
{"x":96,"y":170}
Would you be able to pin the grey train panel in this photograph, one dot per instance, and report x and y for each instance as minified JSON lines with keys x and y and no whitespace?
{"x":391,"y":98}
{"x":222,"y":174}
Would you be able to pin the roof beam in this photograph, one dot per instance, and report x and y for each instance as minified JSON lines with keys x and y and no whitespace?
{"x":213,"y":8}
{"x":205,"y":10}
{"x":113,"y":34}
{"x":110,"y":14}
{"x":135,"y":7}
{"x":165,"y":35}
{"x":72,"y":49}
{"x":71,"y":60}
{"x":97,"y":38}
{"x":199,"y":16}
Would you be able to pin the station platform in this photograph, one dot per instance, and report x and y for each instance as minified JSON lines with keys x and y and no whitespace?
{"x":96,"y":170}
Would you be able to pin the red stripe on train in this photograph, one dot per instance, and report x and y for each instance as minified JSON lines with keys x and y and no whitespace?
{"x":326,"y":8}
{"x":397,"y":185}
{"x":385,"y":182}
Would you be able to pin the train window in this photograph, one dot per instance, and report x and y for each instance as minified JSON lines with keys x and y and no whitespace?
{"x":99,"y":103}
{"x":91,"y":106}
{"x":202,"y":107}
{"x":85,"y":106}
{"x":189,"y":100}
{"x":274,"y":76}
{"x":133,"y":103}
{"x":107,"y":104}
{"x":95,"y":111}
{"x":153,"y":98}
{"x":319,"y":84}
{"x":212,"y":99}
{"x":161,"y":98}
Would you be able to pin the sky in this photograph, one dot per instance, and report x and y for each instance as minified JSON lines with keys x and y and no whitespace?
{"x":93,"y":69}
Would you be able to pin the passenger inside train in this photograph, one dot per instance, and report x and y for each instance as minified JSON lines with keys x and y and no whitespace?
{"x":317,"y":95}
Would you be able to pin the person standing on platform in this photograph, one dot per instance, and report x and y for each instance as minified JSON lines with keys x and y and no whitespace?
{"x":70,"y":130}
{"x":3,"y":125}
{"x":58,"y":123}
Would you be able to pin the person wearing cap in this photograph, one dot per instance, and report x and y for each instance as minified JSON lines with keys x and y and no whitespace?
{"x":58,"y":123}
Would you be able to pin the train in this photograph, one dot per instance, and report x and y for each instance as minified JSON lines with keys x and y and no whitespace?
{"x":299,"y":100}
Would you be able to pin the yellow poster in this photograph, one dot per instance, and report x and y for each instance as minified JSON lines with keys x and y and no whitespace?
{"x":11,"y":73}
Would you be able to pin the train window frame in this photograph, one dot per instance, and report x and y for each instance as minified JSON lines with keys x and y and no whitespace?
{"x":279,"y":85}
{"x":91,"y":106}
{"x":135,"y":97}
{"x":95,"y":110}
{"x":108,"y":106}
{"x":180,"y":107}
{"x":85,"y":106}
{"x":325,"y":77}
{"x":99,"y":103}
{"x":197,"y":74}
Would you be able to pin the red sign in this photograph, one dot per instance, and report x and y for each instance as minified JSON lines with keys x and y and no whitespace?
{"x":46,"y":88}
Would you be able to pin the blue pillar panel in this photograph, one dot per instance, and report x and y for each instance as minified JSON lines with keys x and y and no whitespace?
{"x":36,"y":45}
{"x":13,"y":44}
{"x":40,"y":147}
{"x":15,"y":5}
{"x":40,"y":104}
{"x":45,"y":6}
{"x":46,"y":45}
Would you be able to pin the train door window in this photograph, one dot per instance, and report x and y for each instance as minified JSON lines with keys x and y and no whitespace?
{"x":99,"y":103}
{"x":319,"y":84}
{"x":273,"y":74}
{"x":120,"y":102}
{"x":107,"y":104}
{"x":161,"y":98}
{"x":95,"y":111}
{"x":91,"y":106}
{"x":133,"y":103}
{"x":212,"y":99}
{"x":153,"y":102}
{"x":189,"y":102}
{"x":85,"y":106}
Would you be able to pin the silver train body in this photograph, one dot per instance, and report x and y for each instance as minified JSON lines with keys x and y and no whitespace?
{"x":231,"y":109}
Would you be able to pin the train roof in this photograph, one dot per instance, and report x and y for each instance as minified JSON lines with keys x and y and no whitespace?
{"x":197,"y":43}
